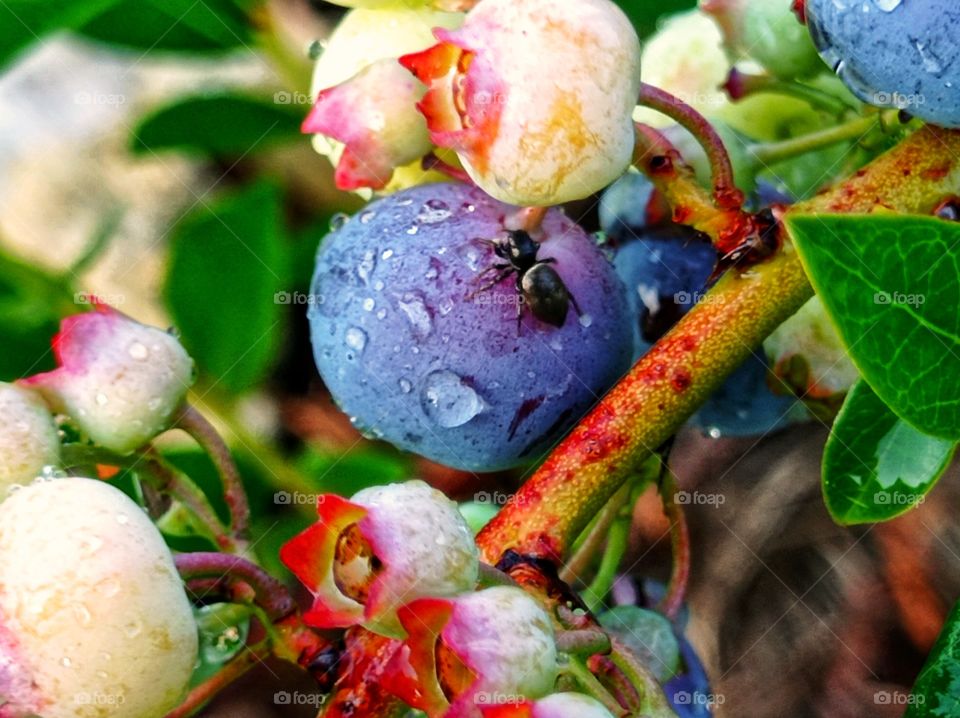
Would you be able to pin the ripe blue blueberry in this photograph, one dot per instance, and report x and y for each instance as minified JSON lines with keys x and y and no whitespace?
{"x":894,"y":53}
{"x":419,"y":350}
{"x":666,"y":269}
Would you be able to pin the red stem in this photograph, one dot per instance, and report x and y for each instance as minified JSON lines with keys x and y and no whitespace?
{"x":725,"y":192}
{"x":229,"y":570}
{"x":672,"y":601}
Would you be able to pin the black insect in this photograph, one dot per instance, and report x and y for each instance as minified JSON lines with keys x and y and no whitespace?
{"x":538,"y":284}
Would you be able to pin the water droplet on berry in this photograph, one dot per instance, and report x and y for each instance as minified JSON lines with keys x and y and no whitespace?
{"x":138,"y":351}
{"x":448,"y":401}
{"x":585,"y":320}
{"x":154,"y":403}
{"x":888,"y":5}
{"x":405,"y":386}
{"x":387,"y":253}
{"x":66,"y":662}
{"x":367,"y":217}
{"x":366,"y":266}
{"x":368,"y":304}
{"x":132,"y":629}
{"x":714,"y":432}
{"x":381,"y":313}
{"x":338,"y":220}
{"x":931,"y":63}
{"x":82,"y":614}
{"x":378,"y":286}
{"x":101,"y":399}
{"x":356,"y":339}
{"x":413,"y":229}
{"x":445,"y":306}
{"x":432,"y":273}
{"x":415,"y":309}
{"x":433,"y":211}
{"x":471,"y":255}
{"x":122,"y":519}
{"x":315,"y":50}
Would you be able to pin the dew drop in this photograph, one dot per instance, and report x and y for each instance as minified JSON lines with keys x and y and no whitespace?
{"x":366,"y":266}
{"x":433,"y":211}
{"x":132,"y":629}
{"x":413,"y":229}
{"x":887,"y":5}
{"x":714,"y":432}
{"x":378,"y":286}
{"x":445,"y":306}
{"x":82,"y":614}
{"x":585,"y":320}
{"x":66,"y":662}
{"x":448,"y":401}
{"x":338,"y":220}
{"x":381,"y":313}
{"x":432,"y":273}
{"x":405,"y":386}
{"x":368,"y":304}
{"x":415,"y":309}
{"x":122,"y":519}
{"x":387,"y":253}
{"x":471,"y":255}
{"x":138,"y":351}
{"x":101,"y":399}
{"x":367,"y":217}
{"x":154,"y":403}
{"x":356,"y":339}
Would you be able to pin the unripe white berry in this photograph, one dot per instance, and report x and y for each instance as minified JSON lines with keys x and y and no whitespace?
{"x":28,"y":437}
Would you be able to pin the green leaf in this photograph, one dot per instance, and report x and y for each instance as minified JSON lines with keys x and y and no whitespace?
{"x":937,"y":690}
{"x":227,"y":262}
{"x":217,"y":124}
{"x":157,"y":26}
{"x":644,"y":14}
{"x":23,"y":22}
{"x":891,"y":284}
{"x":875,"y":465}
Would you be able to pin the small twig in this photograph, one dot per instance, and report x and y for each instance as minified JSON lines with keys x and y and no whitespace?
{"x":771,"y":153}
{"x":431,"y":161}
{"x":653,"y":701}
{"x":200,"y":696}
{"x":725,"y":191}
{"x":617,"y":540}
{"x":584,"y":642}
{"x":227,"y":570}
{"x":196,"y":425}
{"x":672,"y":600}
{"x":742,"y":84}
{"x":528,"y":219}
{"x":594,"y":540}
{"x":579,"y":672}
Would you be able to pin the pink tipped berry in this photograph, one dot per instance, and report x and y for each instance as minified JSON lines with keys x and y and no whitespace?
{"x":485,"y":647}
{"x":388,"y":545}
{"x":365,"y":117}
{"x":94,"y":621}
{"x":559,"y":705}
{"x":535,"y":97}
{"x":28,"y":437}
{"x":120,"y":381}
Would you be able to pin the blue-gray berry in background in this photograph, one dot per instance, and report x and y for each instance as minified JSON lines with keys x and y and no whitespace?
{"x":417,"y":356}
{"x":666,"y":269}
{"x":894,"y":53}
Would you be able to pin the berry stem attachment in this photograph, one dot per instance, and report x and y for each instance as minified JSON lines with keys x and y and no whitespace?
{"x":228,"y":570}
{"x":592,"y":542}
{"x":196,"y":425}
{"x":527,"y":219}
{"x":617,"y":539}
{"x":771,"y":153}
{"x":742,"y":84}
{"x":672,"y":600}
{"x":725,"y":192}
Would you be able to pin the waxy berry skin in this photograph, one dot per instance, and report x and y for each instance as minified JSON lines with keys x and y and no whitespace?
{"x":120,"y":381}
{"x":411,"y":350}
{"x":535,"y":97}
{"x":28,"y":437}
{"x":894,"y":53}
{"x":93,"y":614}
{"x":405,"y":541}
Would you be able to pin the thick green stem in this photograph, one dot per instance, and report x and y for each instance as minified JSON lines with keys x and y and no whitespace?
{"x":670,"y":382}
{"x":617,"y":539}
